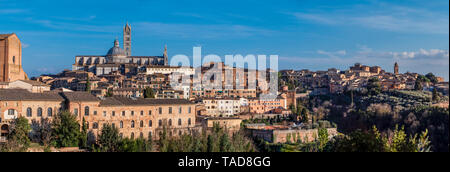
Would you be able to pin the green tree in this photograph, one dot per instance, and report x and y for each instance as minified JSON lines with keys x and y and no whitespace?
{"x":418,"y":85}
{"x":374,"y":86}
{"x":436,"y":97}
{"x":109,"y":93}
{"x":432,"y":78}
{"x":149,"y":93}
{"x":109,"y":139}
{"x":88,"y":84}
{"x":83,"y":135}
{"x":18,"y":140}
{"x":66,"y":130}
{"x":323,"y":137}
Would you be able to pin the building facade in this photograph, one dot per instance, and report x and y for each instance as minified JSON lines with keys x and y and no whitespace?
{"x":134,"y":117}
{"x":118,"y":59}
{"x":11,"y":58}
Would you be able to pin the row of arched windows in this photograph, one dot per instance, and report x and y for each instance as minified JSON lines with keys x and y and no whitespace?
{"x":180,"y":111}
{"x":141,"y":123}
{"x":39,"y":112}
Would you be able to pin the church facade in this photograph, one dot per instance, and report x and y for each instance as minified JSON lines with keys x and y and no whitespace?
{"x":118,"y":59}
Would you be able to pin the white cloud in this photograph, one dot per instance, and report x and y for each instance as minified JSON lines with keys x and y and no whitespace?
{"x":333,"y":54}
{"x":422,"y":53}
{"x":389,"y":18}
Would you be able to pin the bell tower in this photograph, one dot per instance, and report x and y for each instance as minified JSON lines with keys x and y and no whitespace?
{"x":396,"y":68}
{"x":127,"y":39}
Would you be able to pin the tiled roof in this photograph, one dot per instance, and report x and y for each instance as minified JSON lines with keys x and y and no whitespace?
{"x":24,"y":95}
{"x":3,"y":36}
{"x":123,"y":101}
{"x":34,"y":83}
{"x":80,"y":96}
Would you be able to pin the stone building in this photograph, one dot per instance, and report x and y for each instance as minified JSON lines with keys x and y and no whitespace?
{"x":134,"y":117}
{"x":11,"y":58}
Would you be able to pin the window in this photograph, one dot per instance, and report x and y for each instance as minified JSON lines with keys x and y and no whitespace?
{"x":159,"y":123}
{"x":132,"y":136}
{"x":170,"y":122}
{"x":142,"y":113}
{"x":123,"y":113}
{"x":104,"y":113}
{"x":132,"y":113}
{"x":170,"y":110}
{"x":49,"y":112}
{"x":132,"y":124}
{"x":113,"y":125}
{"x":121,"y":135}
{"x":113,"y":113}
{"x":149,"y":112}
{"x":150,"y":123}
{"x":149,"y":135}
{"x":179,"y":122}
{"x":95,"y":113}
{"x":14,"y":59}
{"x":189,"y":110}
{"x":141,"y":124}
{"x":180,"y":110}
{"x":121,"y":124}
{"x":95,"y":125}
{"x":189,"y":121}
{"x":29,"y":112}
{"x":141,"y":135}
{"x":160,"y":110}
{"x":75,"y":111}
{"x":11,"y":111}
{"x":86,"y":111}
{"x":39,"y":112}
{"x":87,"y":125}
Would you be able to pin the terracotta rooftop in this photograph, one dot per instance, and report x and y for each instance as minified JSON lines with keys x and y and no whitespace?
{"x":79,"y":96}
{"x":21,"y":94}
{"x":3,"y":36}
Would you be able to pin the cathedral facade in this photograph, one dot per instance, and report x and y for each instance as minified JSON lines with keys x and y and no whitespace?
{"x":118,"y":59}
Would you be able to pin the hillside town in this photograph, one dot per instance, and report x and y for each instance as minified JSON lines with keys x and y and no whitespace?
{"x":134,"y":94}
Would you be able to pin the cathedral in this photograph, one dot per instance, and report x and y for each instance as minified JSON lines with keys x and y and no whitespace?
{"x":119,"y":59}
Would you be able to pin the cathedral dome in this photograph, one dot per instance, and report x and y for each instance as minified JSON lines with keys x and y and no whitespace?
{"x":116,"y":50}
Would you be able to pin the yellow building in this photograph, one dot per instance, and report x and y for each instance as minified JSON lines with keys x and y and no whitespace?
{"x":11,"y":58}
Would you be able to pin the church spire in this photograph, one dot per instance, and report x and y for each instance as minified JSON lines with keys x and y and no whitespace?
{"x":166,"y":57}
{"x":127,"y":39}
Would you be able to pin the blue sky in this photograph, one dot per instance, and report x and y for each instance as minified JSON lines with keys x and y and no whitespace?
{"x":312,"y":34}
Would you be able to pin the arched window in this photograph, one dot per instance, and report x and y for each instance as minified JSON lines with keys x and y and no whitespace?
{"x":160,"y":123}
{"x":132,"y":136}
{"x":132,"y":124}
{"x":150,"y":123}
{"x":189,"y":121}
{"x":49,"y":112}
{"x":179,"y":122}
{"x":142,"y":124}
{"x":39,"y":112}
{"x":86,"y":111}
{"x":170,"y":122}
{"x":121,"y":124}
{"x":29,"y":112}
